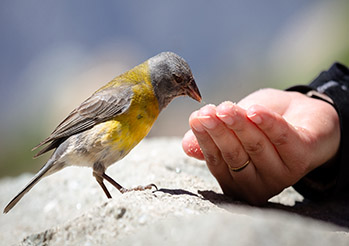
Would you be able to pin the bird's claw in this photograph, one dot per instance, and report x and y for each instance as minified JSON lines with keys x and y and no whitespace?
{"x":139,"y":188}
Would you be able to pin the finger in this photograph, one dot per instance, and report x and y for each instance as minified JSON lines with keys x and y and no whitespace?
{"x":214,"y":160}
{"x":229,"y":145}
{"x":234,"y":156}
{"x":261,"y":151}
{"x":284,"y":137}
{"x":191,"y":146}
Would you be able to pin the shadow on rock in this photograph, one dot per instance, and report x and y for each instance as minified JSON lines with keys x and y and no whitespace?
{"x":219,"y":199}
{"x":334,"y":211}
{"x":176,"y":192}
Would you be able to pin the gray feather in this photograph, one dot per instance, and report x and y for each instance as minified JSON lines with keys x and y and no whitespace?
{"x":101,"y":106}
{"x":43,"y":172}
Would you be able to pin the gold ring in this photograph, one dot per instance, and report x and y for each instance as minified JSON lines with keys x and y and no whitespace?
{"x":238,"y":169}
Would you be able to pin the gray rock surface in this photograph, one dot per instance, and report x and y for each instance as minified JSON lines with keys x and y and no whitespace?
{"x":69,"y":208}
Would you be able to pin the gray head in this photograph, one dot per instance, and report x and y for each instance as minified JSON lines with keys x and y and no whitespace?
{"x":171,"y":77}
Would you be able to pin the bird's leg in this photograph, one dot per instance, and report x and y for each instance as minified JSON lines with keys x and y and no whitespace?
{"x":113,"y":182}
{"x":122,"y":189}
{"x":99,"y":179}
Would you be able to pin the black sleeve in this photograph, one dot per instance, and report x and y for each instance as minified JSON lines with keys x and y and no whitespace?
{"x":332,"y":179}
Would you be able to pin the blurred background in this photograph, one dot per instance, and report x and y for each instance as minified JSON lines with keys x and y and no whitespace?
{"x":54,"y":54}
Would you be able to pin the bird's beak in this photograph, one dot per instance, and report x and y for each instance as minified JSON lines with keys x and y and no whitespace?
{"x":193,"y":91}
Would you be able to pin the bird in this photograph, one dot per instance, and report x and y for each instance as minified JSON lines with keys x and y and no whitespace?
{"x":114,"y":119}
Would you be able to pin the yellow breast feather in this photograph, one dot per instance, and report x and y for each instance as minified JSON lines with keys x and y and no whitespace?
{"x":126,"y":130}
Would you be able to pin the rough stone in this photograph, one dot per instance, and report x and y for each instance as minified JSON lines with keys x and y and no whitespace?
{"x":69,"y":208}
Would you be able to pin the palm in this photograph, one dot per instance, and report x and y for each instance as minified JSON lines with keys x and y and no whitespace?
{"x":313,"y":119}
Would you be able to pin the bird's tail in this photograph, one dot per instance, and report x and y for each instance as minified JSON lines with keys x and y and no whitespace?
{"x":43,"y":172}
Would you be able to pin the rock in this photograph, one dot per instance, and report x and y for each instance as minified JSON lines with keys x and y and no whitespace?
{"x":69,"y":208}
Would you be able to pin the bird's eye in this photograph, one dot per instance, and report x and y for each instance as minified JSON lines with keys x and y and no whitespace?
{"x":177,"y":78}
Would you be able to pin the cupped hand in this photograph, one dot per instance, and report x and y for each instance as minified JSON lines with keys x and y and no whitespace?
{"x":281,"y":135}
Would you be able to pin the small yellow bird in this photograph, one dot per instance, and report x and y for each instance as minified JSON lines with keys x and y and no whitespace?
{"x":106,"y":126}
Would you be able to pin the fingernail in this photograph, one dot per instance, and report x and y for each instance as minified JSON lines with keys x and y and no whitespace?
{"x":227,"y":119}
{"x":207,"y":121}
{"x":254,"y":117}
{"x":197,"y":126}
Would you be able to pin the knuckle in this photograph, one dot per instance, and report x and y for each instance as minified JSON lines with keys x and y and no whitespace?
{"x":254,"y":148}
{"x":281,"y":139}
{"x":296,"y":169}
{"x":269,"y":124}
{"x":212,"y":159}
{"x":232,"y":156}
{"x":218,"y":133}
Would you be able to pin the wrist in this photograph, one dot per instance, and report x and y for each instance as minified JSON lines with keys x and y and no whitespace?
{"x":330,"y":178}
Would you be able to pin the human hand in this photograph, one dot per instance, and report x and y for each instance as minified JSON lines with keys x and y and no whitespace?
{"x":285,"y":135}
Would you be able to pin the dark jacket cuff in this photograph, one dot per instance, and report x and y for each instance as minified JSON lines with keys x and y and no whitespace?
{"x":330,"y":180}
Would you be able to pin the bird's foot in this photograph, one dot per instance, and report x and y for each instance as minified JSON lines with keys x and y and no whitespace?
{"x":139,"y":188}
{"x":118,"y":186}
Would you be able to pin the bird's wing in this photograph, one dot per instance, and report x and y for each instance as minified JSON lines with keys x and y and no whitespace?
{"x":100,"y":107}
